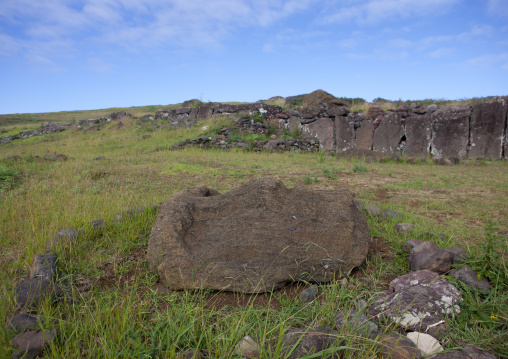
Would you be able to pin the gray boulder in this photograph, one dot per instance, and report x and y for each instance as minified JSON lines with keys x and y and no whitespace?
{"x":450,"y":131}
{"x":365,"y":135}
{"x":256,"y":237}
{"x":301,"y":342}
{"x":23,"y":322}
{"x":389,"y":133}
{"x":418,"y":300}
{"x":63,"y":237}
{"x":321,"y":129}
{"x":30,"y":345}
{"x":31,"y":292}
{"x":44,"y":266}
{"x":418,"y":135}
{"x":429,"y":256}
{"x":468,"y":276}
{"x":354,"y":321}
{"x":344,"y":133}
{"x":486,"y":131}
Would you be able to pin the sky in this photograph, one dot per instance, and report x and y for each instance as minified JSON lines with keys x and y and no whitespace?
{"x":61,"y":55}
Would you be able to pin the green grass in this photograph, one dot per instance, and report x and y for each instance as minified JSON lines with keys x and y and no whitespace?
{"x":123,"y":315}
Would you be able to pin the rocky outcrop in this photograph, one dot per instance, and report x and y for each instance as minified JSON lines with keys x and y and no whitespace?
{"x":450,"y":131}
{"x":256,"y":237}
{"x":487,"y":130}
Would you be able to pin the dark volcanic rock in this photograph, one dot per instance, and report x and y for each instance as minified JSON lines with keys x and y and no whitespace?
{"x":417,"y":300}
{"x":23,"y":322}
{"x":33,"y":291}
{"x":468,"y":276}
{"x":316,"y":98}
{"x":389,"y":133}
{"x":396,"y":346}
{"x":299,"y":343}
{"x":487,"y":130}
{"x":365,"y":135}
{"x":44,"y":266}
{"x":66,"y":235}
{"x":31,"y":344}
{"x":344,"y":133}
{"x":429,"y":256}
{"x":256,"y":237}
{"x":354,"y":321}
{"x":309,"y":294}
{"x":321,"y":129}
{"x":418,"y":132}
{"x":450,"y":131}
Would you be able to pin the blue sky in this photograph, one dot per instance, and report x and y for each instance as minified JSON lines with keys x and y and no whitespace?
{"x":60,"y":55}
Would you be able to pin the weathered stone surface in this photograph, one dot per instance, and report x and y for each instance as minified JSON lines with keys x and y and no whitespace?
{"x":450,"y":131}
{"x":418,"y":135}
{"x":429,"y":256}
{"x":32,"y":291}
{"x":248,"y":348}
{"x":23,"y":322}
{"x":44,"y":266}
{"x":31,"y":344}
{"x":301,"y":342}
{"x":344,"y":133}
{"x":353,"y":321}
{"x":396,"y":346}
{"x":389,"y":133}
{"x":373,"y":210}
{"x":309,"y":294}
{"x":404,"y":228}
{"x":418,"y":300}
{"x":468,"y":276}
{"x":459,"y":255}
{"x":337,"y":110}
{"x":293,"y":124}
{"x":426,"y":343}
{"x":256,"y":237}
{"x":487,"y":130}
{"x":365,"y":135}
{"x":410,"y":243}
{"x":321,"y":129}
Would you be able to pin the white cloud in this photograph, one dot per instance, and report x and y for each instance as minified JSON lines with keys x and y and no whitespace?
{"x":376,"y":10}
{"x":498,"y":7}
{"x":441,"y":52}
{"x":400,"y":43}
{"x":488,"y":60}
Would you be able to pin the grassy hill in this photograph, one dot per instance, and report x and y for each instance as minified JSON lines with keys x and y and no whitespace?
{"x":117,"y":308}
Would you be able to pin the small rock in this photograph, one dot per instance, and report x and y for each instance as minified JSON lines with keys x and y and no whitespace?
{"x":373,"y":211}
{"x":429,"y":256}
{"x":459,"y":255}
{"x":439,"y":161}
{"x":355,"y":321}
{"x":31,"y":344}
{"x":309,"y":294}
{"x":44,"y":266}
{"x":301,"y":342}
{"x":468,"y":276}
{"x":33,"y":291}
{"x":358,"y":203}
{"x":438,"y":331}
{"x":66,"y":235}
{"x":163,"y":291}
{"x":189,"y":354}
{"x":404,"y":228}
{"x":390,"y":214}
{"x":23,"y":322}
{"x":396,"y":346}
{"x":248,"y":347}
{"x":98,"y":224}
{"x":426,"y":343}
{"x":410,"y":243}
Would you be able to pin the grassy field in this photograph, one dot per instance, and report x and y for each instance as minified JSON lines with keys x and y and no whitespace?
{"x":117,"y":311}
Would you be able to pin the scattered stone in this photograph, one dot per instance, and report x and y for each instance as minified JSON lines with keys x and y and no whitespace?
{"x":438,"y":331}
{"x":354,"y":321}
{"x":309,"y":294}
{"x":31,"y":292}
{"x":100,"y":158}
{"x":390,"y":214}
{"x":459,"y":255}
{"x":98,"y":224}
{"x":66,"y":235}
{"x":426,"y":343}
{"x":373,"y":211}
{"x":31,"y":344}
{"x":468,"y":276}
{"x":44,"y":266}
{"x":429,"y":256}
{"x":56,"y":157}
{"x":163,"y":291}
{"x":396,"y":346}
{"x":13,"y":159}
{"x":418,"y":300}
{"x":301,"y":342}
{"x":192,"y":354}
{"x":438,"y":160}
{"x":239,"y":241}
{"x":358,"y":203}
{"x":248,"y":348}
{"x":404,"y":228}
{"x":23,"y":322}
{"x":410,"y":243}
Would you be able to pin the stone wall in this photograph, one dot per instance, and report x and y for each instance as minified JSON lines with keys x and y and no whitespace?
{"x":477,"y":131}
